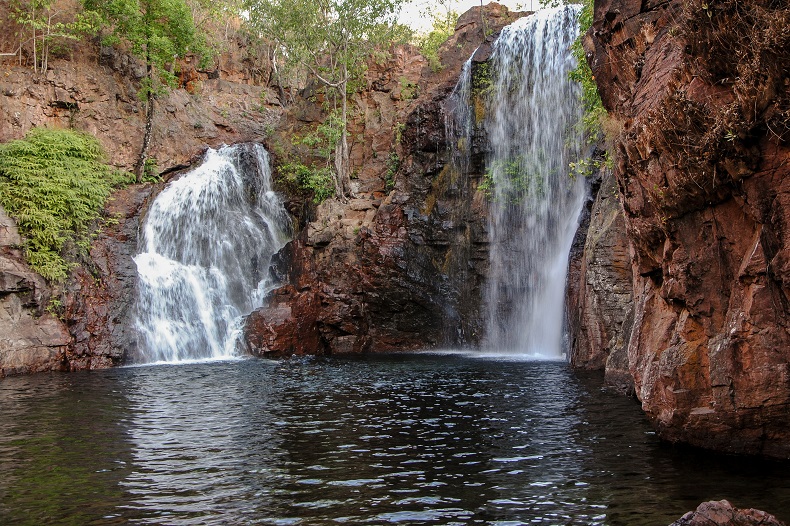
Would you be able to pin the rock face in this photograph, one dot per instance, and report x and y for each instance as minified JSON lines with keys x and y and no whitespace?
{"x":102,"y":99}
{"x":722,"y":513}
{"x":400,"y":266}
{"x":600,"y":293}
{"x":700,"y":95}
{"x":100,"y":295}
{"x":31,"y":338}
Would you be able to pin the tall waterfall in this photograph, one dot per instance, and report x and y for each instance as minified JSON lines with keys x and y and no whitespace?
{"x":530,"y":121}
{"x":206,"y":247}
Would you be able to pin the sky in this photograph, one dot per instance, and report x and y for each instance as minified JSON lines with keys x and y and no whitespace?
{"x":411,"y":13}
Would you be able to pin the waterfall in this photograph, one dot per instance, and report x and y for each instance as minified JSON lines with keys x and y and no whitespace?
{"x":206,"y":247}
{"x":531,"y":114}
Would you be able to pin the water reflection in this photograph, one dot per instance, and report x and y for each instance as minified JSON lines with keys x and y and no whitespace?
{"x":63,"y":448}
{"x":396,"y":439}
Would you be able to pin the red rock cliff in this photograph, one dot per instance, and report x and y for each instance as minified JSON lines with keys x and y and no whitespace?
{"x":701,"y":92}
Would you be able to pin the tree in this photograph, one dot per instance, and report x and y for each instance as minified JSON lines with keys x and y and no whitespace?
{"x":332,"y":40}
{"x":443,"y":20}
{"x":45,"y":25}
{"x":159,"y":32}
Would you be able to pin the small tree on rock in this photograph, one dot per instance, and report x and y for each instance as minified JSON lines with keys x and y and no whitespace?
{"x":332,"y":40}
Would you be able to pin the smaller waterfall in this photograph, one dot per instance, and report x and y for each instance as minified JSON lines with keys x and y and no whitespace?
{"x":206,"y":247}
{"x":458,"y":120}
{"x":530,"y":121}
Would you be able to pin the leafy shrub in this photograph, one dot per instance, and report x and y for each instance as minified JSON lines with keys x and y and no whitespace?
{"x":594,"y":111}
{"x":443,"y":26}
{"x":316,"y":180}
{"x":54,"y":184}
{"x":393,"y":165}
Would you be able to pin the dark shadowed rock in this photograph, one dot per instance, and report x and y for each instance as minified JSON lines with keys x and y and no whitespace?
{"x":600,"y":294}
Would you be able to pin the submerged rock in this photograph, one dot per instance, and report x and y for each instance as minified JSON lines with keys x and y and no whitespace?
{"x":722,"y":513}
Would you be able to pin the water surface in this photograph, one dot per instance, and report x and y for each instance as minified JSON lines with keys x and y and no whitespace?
{"x":404,"y":439}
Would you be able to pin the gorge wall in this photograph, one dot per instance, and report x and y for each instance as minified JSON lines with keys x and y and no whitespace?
{"x":699,"y":101}
{"x":386,"y":270}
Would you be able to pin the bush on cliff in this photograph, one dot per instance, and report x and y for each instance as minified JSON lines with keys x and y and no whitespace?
{"x":594,"y":112}
{"x":54,"y":184}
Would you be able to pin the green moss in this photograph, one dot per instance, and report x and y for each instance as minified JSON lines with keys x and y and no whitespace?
{"x":54,"y":183}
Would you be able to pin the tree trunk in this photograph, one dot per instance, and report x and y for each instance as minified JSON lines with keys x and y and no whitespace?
{"x":343,"y":187}
{"x":139,"y":168}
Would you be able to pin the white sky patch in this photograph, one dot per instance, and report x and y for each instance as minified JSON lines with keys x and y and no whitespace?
{"x":413,"y":13}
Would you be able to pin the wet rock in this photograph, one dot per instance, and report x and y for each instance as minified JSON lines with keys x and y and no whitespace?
{"x":600,"y":291}
{"x":100,"y":294}
{"x":31,"y":338}
{"x":722,"y":513}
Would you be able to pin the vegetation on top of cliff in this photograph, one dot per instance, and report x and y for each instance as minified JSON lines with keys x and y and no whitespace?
{"x":332,"y":41}
{"x":442,"y":27}
{"x":54,"y":184}
{"x":45,"y":28}
{"x":159,"y":32}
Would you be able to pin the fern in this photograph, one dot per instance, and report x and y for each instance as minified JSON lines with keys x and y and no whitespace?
{"x":54,"y":183}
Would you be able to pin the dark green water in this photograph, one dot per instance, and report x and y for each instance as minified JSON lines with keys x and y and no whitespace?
{"x":418,"y":439}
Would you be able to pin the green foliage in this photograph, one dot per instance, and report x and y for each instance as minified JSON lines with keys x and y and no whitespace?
{"x":400,"y":127}
{"x":594,"y":111}
{"x":325,"y":137}
{"x":54,"y":184}
{"x":151,"y":170}
{"x":408,"y":90}
{"x":332,"y":41}
{"x":589,"y":166}
{"x":393,"y":165}
{"x":442,"y":28}
{"x":482,"y":81}
{"x":317,"y":181}
{"x":158,"y":31}
{"x":513,"y":180}
{"x":47,"y":29}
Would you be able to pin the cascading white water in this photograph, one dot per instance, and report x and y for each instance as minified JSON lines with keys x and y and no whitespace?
{"x":206,"y":247}
{"x":532,"y":111}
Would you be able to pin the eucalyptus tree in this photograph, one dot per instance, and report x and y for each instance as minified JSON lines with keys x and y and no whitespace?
{"x":332,"y":40}
{"x":159,"y":32}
